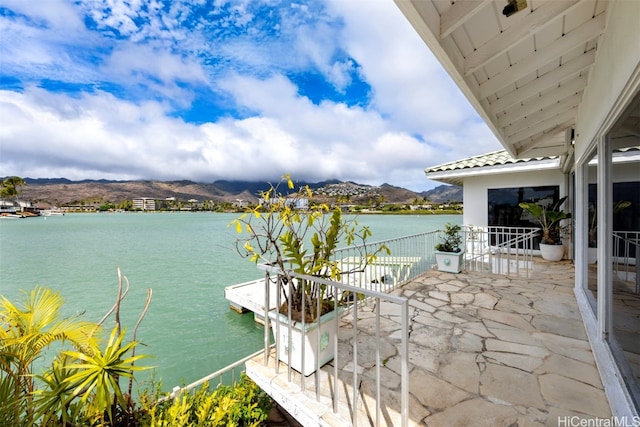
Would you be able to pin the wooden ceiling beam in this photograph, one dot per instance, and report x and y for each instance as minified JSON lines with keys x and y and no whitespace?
{"x":580,"y":36}
{"x":459,"y":13}
{"x":550,"y":79}
{"x":533,"y":105}
{"x":536,"y":21}
{"x":543,"y":115}
{"x":543,"y":126}
{"x":538,"y":141}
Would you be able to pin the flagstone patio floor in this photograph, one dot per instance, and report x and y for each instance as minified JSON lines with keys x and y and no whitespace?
{"x":484,"y":350}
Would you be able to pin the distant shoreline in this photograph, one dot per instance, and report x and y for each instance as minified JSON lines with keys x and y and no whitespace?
{"x":410,"y":213}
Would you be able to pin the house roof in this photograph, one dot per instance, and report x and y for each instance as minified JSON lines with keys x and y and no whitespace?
{"x":502,"y":162}
{"x":495,"y":158}
{"x":496,"y":162}
{"x":525,"y":73}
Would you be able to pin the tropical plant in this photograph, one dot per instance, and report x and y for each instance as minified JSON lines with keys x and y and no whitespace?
{"x":242,"y":404}
{"x":295,"y":234}
{"x":95,"y":377}
{"x":451,"y":239}
{"x":82,"y":386}
{"x":26,"y":330}
{"x":549,"y":218}
{"x":52,"y":402}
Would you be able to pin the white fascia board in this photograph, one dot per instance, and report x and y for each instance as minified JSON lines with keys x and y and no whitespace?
{"x":531,"y":166}
{"x":617,"y":158}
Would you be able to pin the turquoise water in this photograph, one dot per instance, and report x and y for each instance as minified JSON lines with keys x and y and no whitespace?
{"x":186,"y":258}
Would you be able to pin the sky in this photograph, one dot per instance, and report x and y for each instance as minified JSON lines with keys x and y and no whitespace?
{"x":208,"y":90}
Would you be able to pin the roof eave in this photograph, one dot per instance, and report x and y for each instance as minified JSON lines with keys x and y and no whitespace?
{"x":433,"y":42}
{"x":457,"y":176}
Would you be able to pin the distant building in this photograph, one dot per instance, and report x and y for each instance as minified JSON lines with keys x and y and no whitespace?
{"x":240,"y":203}
{"x":144,"y":204}
{"x":7,"y":207}
{"x":301,"y":203}
{"x":298,"y":203}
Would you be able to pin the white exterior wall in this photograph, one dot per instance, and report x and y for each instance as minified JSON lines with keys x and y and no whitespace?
{"x":475,"y":190}
{"x":615,"y":77}
{"x":613,"y":82}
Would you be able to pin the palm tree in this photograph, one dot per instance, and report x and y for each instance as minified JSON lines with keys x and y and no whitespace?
{"x":25,"y":331}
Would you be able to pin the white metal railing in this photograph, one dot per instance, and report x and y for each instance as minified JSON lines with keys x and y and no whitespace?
{"x":500,"y":250}
{"x":407,"y":258}
{"x":234,"y":370}
{"x":356,"y":298}
{"x":626,"y":256}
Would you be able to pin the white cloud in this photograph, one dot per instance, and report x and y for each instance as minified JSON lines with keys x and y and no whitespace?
{"x":417,"y":117}
{"x":53,"y":14}
{"x":36,"y":42}
{"x":410,"y":86}
{"x":155,"y":71}
{"x":99,"y":136}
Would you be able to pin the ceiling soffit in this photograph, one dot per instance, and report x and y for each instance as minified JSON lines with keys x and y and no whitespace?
{"x":526,"y":73}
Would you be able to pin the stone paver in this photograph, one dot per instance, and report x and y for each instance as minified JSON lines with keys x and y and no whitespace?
{"x":484,"y":350}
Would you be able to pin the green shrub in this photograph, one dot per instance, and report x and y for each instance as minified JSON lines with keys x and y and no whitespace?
{"x":243,"y":404}
{"x":82,"y":385}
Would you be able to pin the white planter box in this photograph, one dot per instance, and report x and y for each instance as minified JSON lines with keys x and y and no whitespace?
{"x":326,"y":331}
{"x":450,"y":262}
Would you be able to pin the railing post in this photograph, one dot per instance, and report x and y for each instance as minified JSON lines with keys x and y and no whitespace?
{"x":336,"y":325}
{"x":267,"y":338}
{"x":289,"y":328}
{"x":278,"y":326}
{"x":378,"y":409}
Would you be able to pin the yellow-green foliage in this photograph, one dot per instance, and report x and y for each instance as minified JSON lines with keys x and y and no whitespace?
{"x":243,"y":404}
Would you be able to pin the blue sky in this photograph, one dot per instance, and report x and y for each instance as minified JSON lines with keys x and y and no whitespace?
{"x":240,"y":90}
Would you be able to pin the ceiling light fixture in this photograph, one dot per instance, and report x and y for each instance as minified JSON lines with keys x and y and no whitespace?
{"x":514,"y":6}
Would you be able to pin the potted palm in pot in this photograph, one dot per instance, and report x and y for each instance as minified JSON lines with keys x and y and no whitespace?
{"x":549,"y":217}
{"x":449,"y":254}
{"x":288,"y":235}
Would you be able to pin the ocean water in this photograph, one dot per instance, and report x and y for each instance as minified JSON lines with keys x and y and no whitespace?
{"x":187,"y":259}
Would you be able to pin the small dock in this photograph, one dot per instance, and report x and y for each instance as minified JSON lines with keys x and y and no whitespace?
{"x":249,"y":296}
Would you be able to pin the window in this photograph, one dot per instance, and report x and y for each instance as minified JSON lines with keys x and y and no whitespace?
{"x":503,"y":209}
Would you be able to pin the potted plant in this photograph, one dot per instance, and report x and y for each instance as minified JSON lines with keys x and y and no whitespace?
{"x":449,"y":254}
{"x":549,"y":216}
{"x":291,"y":235}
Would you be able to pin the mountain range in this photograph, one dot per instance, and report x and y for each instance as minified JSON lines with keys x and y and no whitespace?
{"x":61,"y":191}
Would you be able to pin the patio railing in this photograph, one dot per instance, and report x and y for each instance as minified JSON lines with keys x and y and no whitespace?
{"x":626,"y":256}
{"x":500,"y":250}
{"x":494,"y":249}
{"x":407,"y":258}
{"x":357,"y":299}
{"x":227,"y":375}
